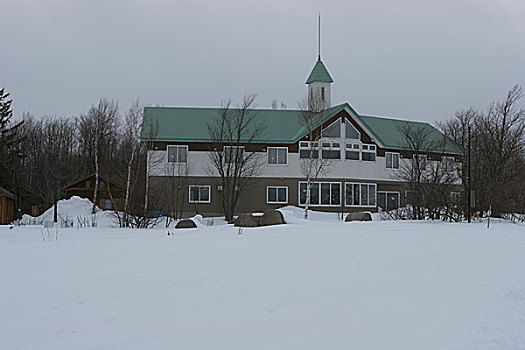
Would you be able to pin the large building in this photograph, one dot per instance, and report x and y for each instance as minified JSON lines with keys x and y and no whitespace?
{"x":366,"y":156}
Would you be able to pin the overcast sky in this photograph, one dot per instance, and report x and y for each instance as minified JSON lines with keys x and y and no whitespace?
{"x":409,"y":59}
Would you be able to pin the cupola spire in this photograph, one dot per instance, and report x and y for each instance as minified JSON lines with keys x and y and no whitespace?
{"x":319,"y":81}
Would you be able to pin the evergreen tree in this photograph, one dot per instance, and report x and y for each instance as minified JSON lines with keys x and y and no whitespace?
{"x":8,"y":138}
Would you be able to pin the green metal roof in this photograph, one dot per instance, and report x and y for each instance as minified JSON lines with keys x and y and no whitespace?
{"x":319,"y":73}
{"x":191,"y":124}
{"x":184,"y":124}
{"x":389,"y":132}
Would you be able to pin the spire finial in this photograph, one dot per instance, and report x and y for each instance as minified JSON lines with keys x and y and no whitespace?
{"x":319,"y":38}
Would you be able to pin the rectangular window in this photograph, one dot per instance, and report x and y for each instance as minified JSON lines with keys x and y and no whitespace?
{"x":360,"y":195}
{"x":331,"y":150}
{"x":106,"y":204}
{"x":388,"y":200}
{"x":200,"y":194}
{"x":392,"y":160}
{"x":277,"y":194}
{"x":420,"y":161}
{"x":233,"y":154}
{"x":448,"y":163}
{"x":306,"y":148}
{"x":277,"y":155}
{"x":368,"y":153}
{"x":177,"y":154}
{"x":326,"y":194}
{"x":353,"y":151}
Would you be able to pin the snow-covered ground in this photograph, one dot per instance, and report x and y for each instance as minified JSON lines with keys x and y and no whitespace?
{"x":321,"y":285}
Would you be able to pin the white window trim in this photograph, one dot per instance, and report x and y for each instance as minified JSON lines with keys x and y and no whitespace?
{"x":277,"y":188}
{"x":350,"y":138}
{"x":420,"y":155}
{"x":358,"y":150}
{"x":360,"y":205}
{"x":392,"y":155}
{"x":320,"y":205}
{"x":176,"y":146}
{"x":368,"y":151}
{"x":330,"y":148}
{"x":277,"y":148}
{"x":231,"y":147}
{"x":338,"y":120}
{"x":452,"y":162}
{"x":386,"y":196}
{"x":199,"y":201}
{"x":310,"y":145}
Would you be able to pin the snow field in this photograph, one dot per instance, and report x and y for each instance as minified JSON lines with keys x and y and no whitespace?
{"x":324,"y":284}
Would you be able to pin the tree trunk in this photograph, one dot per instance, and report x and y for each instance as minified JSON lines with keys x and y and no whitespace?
{"x":128,"y":183}
{"x":95,"y":195}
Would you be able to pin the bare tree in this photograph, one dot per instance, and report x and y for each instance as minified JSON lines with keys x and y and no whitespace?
{"x":497,"y":141}
{"x":98,"y":130}
{"x":429,"y":181}
{"x":234,"y":157}
{"x":312,"y":114}
{"x":178,"y":174}
{"x":131,"y":146}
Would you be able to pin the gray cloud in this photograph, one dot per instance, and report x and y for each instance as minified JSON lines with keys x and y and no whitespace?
{"x":409,"y":59}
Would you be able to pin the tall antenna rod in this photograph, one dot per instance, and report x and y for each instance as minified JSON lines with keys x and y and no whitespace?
{"x":319,"y":39}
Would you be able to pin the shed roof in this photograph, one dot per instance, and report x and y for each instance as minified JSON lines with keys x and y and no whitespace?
{"x":6,"y":193}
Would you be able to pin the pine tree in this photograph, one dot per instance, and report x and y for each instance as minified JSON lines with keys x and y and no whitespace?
{"x":8,"y":137}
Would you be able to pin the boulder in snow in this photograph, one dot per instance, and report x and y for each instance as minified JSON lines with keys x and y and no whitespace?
{"x":247,"y":220}
{"x":272,"y":217}
{"x":361,"y":216}
{"x":186,"y":223}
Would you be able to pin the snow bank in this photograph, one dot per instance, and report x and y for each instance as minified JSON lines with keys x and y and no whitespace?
{"x":75,"y":211}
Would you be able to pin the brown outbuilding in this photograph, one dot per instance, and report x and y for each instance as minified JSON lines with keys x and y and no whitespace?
{"x":7,"y":206}
{"x":110,"y":194}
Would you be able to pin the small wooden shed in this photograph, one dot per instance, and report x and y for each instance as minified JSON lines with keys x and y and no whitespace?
{"x":7,"y":206}
{"x":110,"y":194}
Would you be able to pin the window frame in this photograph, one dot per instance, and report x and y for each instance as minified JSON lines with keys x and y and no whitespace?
{"x":199,"y":200}
{"x":418,"y":162}
{"x":319,"y":183}
{"x":331,"y":147}
{"x":450,"y":165}
{"x":276,"y":195}
{"x":177,"y":152}
{"x":360,"y":184}
{"x":352,"y":149}
{"x":386,"y":198}
{"x":352,"y":125}
{"x":308,"y":147}
{"x":391,"y":154}
{"x":336,"y":122}
{"x":374,"y":152}
{"x":277,"y":156}
{"x":231,"y":147}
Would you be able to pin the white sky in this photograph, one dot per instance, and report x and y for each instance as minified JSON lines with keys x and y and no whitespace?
{"x":409,"y":59}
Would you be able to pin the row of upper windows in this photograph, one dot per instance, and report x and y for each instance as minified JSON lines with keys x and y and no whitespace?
{"x":279,"y":155}
{"x":329,"y":150}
